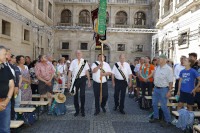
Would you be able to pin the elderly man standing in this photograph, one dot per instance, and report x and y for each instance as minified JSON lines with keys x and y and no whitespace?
{"x":45,"y":72}
{"x":121,"y":72}
{"x":163,"y":80}
{"x":97,"y":75}
{"x":6,"y":92}
{"x":79,"y":68}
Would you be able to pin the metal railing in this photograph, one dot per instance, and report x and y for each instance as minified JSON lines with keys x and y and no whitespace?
{"x":137,"y":2}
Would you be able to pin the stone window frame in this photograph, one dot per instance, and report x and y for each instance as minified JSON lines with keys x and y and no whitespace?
{"x":84,"y":17}
{"x":50,"y":10}
{"x":121,"y":44}
{"x":41,"y":6}
{"x":117,"y":16}
{"x":137,"y":18}
{"x":180,"y":38}
{"x":67,"y":46}
{"x":9,"y":28}
{"x":24,"y":28}
{"x":61,"y":42}
{"x":87,"y":46}
{"x":63,"y":16}
{"x":137,"y":50}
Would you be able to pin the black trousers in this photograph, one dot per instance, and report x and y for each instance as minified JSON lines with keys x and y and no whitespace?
{"x":148,"y":85}
{"x":80,"y":84}
{"x":176,"y":87}
{"x":13,"y":108}
{"x":96,"y":88}
{"x":120,"y":88}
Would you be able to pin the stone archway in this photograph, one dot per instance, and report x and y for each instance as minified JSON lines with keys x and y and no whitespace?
{"x":95,"y":52}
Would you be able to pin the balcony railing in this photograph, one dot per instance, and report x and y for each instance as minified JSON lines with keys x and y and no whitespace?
{"x":139,"y":26}
{"x":83,"y":25}
{"x":137,"y":2}
{"x":121,"y":26}
{"x":64,"y":24}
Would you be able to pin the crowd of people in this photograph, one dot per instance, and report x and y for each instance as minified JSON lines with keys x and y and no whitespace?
{"x":21,"y":77}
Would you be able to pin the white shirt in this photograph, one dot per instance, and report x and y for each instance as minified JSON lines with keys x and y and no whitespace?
{"x":177,"y":70}
{"x":137,"y":68}
{"x":74,"y":65}
{"x":163,"y":76}
{"x":96,"y":75}
{"x":62,"y":68}
{"x":126,"y":69}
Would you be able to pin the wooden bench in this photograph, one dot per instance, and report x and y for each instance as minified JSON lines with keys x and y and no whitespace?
{"x":36,"y":103}
{"x":196,"y":113}
{"x":150,"y":98}
{"x":23,"y":110}
{"x":196,"y":129}
{"x":176,"y":104}
{"x":38,"y":96}
{"x":15,"y":124}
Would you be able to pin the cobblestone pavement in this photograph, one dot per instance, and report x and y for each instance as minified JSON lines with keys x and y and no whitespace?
{"x":134,"y":121}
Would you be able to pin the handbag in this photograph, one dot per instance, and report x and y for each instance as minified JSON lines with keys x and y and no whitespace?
{"x":59,"y":81}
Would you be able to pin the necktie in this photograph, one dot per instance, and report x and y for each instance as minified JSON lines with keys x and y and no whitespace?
{"x":122,"y":65}
{"x":78,"y":61}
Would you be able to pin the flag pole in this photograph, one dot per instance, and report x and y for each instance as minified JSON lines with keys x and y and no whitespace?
{"x":102,"y":43}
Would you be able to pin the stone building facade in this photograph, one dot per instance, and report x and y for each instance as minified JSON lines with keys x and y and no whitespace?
{"x":74,"y":29}
{"x":60,"y":27}
{"x":178,"y":22}
{"x":26,"y":26}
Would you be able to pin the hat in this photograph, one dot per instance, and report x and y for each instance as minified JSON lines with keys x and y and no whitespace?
{"x":162,"y":56}
{"x":60,"y":97}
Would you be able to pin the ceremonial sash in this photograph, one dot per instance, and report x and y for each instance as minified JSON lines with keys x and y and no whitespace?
{"x":121,"y":72}
{"x":75,"y":78}
{"x":102,"y":70}
{"x":146,"y":74}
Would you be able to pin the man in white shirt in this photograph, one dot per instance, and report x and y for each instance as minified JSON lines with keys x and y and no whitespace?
{"x":121,"y":72}
{"x":97,"y":75}
{"x":80,"y":82}
{"x":178,"y":68}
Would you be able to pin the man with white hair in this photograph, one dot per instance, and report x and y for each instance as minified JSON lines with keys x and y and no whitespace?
{"x":78,"y":69}
{"x":121,"y":72}
{"x":163,"y":80}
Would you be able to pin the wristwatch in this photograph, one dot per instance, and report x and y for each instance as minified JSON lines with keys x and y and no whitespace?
{"x":9,"y":97}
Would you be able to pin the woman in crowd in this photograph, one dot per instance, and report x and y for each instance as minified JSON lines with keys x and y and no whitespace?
{"x":34,"y":80}
{"x":146,"y":74}
{"x":56,"y":77}
{"x":26,"y":92}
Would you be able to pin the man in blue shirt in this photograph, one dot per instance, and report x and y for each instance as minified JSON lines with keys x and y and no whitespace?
{"x":187,"y":85}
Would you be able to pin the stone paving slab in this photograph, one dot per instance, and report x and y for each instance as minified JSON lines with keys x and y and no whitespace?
{"x":134,"y":121}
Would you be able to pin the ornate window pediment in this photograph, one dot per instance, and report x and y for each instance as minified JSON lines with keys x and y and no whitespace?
{"x":183,"y":39}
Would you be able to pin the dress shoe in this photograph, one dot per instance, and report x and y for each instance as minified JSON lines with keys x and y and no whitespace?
{"x":104,"y":110}
{"x":165,"y":124}
{"x":83,"y":114}
{"x":96,"y":113}
{"x":154,"y":120}
{"x":122,"y":112}
{"x":115,"y":108}
{"x":76,"y":114}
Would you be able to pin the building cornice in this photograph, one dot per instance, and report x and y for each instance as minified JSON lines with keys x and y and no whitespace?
{"x":173,"y":16}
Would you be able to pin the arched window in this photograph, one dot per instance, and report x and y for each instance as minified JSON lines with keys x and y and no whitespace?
{"x":107,"y":18}
{"x":84,"y":17}
{"x":66,"y":16}
{"x":140,"y":18}
{"x":121,"y":18}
